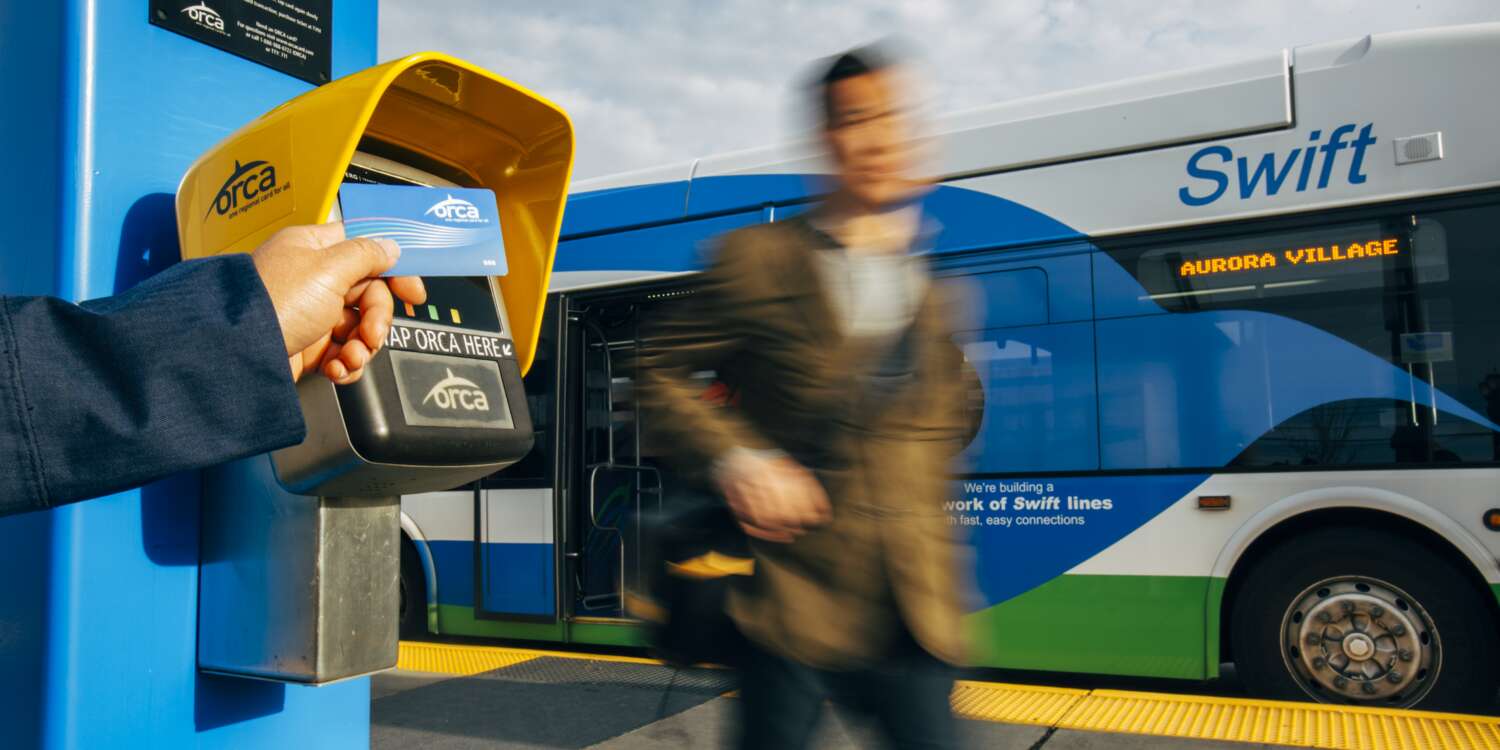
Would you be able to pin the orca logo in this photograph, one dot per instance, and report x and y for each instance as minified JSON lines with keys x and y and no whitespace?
{"x":206,"y":17}
{"x":454,"y":209}
{"x":248,"y":185}
{"x":454,"y":392}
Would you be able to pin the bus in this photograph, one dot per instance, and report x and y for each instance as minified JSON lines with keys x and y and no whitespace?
{"x":1238,"y":330}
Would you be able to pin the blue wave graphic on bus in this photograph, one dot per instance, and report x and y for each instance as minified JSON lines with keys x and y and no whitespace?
{"x":968,"y":219}
{"x":414,"y":234}
{"x":1222,"y":367}
{"x":1235,"y":375}
{"x":1015,"y":559}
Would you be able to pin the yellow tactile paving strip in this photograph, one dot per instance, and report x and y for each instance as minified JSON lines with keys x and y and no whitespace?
{"x":1014,"y":704}
{"x":455,"y":659}
{"x":1280,"y":723}
{"x":1156,"y":714}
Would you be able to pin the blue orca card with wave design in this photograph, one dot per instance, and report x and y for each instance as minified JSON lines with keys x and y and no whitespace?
{"x":442,"y":231}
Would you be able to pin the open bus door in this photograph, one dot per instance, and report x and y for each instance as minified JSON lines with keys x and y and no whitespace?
{"x":618,"y":480}
{"x":559,"y":534}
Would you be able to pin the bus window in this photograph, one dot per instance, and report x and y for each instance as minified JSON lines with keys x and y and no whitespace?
{"x":1436,"y":319}
{"x":1237,"y":271}
{"x":1039,"y":406}
{"x":1009,"y":298}
{"x":1031,"y":344}
{"x":1359,"y":344}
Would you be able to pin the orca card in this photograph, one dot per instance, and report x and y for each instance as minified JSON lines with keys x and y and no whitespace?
{"x":442,"y":231}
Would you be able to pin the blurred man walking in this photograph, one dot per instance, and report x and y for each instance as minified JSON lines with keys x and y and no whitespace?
{"x":851,"y":405}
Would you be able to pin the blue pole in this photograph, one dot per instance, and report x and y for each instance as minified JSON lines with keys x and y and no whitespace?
{"x":98,"y":615}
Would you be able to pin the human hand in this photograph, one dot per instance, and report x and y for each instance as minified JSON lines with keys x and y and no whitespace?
{"x":773,"y":498}
{"x":333,"y":308}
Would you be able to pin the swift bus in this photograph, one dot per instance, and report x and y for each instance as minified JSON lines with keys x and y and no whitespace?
{"x":1239,"y":334}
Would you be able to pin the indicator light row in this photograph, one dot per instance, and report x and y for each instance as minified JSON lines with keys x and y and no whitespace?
{"x":432,"y":313}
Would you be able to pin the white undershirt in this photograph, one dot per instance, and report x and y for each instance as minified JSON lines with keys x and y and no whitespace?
{"x":873,"y":294}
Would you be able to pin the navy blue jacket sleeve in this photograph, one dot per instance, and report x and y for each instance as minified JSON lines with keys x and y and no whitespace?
{"x":186,"y":370}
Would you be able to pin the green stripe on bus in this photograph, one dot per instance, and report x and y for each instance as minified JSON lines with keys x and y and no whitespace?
{"x":1148,"y":626}
{"x":460,"y":620}
{"x":1214,"y":626}
{"x":1151,"y":626}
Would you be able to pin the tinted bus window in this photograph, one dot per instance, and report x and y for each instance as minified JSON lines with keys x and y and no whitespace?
{"x":1358,"y":344}
{"x":1238,"y":272}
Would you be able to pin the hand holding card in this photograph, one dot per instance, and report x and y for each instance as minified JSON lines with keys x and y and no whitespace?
{"x":442,"y":231}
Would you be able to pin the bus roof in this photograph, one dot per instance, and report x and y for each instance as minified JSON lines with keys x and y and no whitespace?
{"x":1313,"y":127}
{"x":1148,"y":112}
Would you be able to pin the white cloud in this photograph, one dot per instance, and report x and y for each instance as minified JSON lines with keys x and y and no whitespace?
{"x":658,"y":81}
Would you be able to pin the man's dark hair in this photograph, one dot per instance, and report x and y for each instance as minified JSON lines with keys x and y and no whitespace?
{"x":851,"y":64}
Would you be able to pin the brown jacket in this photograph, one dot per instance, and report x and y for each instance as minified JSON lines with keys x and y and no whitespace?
{"x":837,"y":596}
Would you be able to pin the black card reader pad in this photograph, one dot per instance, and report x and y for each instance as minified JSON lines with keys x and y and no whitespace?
{"x":442,"y":391}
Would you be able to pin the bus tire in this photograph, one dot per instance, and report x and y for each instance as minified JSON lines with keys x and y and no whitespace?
{"x":1364,"y":616}
{"x":413,"y":607}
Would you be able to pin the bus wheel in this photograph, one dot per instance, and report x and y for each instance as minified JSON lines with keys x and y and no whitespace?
{"x":1364,"y":616}
{"x":413,"y":611}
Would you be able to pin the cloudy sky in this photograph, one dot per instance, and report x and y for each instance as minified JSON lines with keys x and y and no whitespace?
{"x":650,"y":82}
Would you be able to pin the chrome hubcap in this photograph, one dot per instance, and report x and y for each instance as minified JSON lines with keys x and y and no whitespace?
{"x":1358,"y":646}
{"x":1354,"y":639}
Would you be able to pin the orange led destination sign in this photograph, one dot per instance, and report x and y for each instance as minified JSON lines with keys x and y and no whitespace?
{"x":1302,"y":256}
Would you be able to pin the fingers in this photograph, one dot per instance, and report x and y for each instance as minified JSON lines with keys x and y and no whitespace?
{"x":354,"y":355}
{"x":765,"y":512}
{"x":330,"y":365}
{"x":814,"y":508}
{"x":359,"y":335}
{"x":353,"y":261}
{"x":777,"y":537}
{"x":352,"y":296}
{"x":295,"y":361}
{"x":310,"y":358}
{"x":375,"y":310}
{"x":408,"y":288}
{"x":777,"y":500}
{"x":316,"y":235}
{"x":361,"y":328}
{"x":336,"y":360}
{"x":342,"y":362}
{"x":348,"y":321}
{"x":326,"y":235}
{"x":751,"y":510}
{"x":780,"y":502}
{"x":335,"y":371}
{"x":800,"y":502}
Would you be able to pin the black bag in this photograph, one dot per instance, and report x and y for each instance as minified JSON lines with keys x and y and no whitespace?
{"x":697,"y":551}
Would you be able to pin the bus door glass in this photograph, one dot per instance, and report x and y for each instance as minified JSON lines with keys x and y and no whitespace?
{"x":516,"y":526}
{"x":620,"y":475}
{"x":617,"y":480}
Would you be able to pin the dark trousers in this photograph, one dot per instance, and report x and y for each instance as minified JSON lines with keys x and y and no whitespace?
{"x":904,"y":694}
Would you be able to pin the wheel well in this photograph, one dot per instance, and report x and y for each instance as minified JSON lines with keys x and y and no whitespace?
{"x":409,"y":552}
{"x":1356,"y":518}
